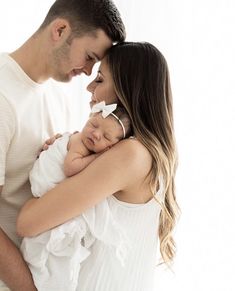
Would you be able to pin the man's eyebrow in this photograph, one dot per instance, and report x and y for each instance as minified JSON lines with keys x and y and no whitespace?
{"x":96,"y":57}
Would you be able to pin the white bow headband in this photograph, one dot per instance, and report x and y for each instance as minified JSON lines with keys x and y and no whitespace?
{"x":106,"y":111}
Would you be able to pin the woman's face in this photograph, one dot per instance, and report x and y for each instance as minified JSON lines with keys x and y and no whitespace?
{"x":102,"y":87}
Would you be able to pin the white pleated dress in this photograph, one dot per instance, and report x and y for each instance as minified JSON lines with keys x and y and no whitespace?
{"x":103,"y":271}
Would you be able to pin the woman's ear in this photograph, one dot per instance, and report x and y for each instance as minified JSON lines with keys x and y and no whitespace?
{"x":60,"y":29}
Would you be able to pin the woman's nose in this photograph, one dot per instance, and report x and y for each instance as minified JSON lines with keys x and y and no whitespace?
{"x":91,"y":87}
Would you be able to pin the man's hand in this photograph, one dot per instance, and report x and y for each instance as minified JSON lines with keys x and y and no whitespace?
{"x":50,"y":141}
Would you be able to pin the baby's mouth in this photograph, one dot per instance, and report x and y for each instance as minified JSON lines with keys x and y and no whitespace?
{"x":91,"y":140}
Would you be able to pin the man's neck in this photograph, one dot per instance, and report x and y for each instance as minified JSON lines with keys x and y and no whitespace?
{"x":32,"y":58}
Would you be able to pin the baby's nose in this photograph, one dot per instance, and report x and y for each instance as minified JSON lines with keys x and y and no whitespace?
{"x":96,"y":134}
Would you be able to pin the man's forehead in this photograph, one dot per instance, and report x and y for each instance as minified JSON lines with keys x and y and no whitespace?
{"x":103,"y":44}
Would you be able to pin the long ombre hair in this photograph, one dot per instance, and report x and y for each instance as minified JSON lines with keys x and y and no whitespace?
{"x":142,"y":84}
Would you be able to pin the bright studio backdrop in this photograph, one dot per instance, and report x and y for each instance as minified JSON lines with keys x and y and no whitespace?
{"x":197,"y":39}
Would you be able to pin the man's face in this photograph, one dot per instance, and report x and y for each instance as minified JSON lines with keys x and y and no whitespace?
{"x":102,"y":87}
{"x":79,"y":56}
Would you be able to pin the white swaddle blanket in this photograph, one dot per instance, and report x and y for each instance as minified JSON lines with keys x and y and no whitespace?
{"x":54,"y":256}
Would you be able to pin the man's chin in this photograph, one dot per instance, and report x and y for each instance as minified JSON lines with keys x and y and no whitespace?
{"x":64,"y":79}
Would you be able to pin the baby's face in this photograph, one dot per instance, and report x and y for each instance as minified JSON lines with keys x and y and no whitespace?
{"x":101,"y":133}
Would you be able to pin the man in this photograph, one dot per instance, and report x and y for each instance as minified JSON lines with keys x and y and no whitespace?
{"x":74,"y":35}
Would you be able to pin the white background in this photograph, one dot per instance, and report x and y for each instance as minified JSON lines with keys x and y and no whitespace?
{"x":197,"y":39}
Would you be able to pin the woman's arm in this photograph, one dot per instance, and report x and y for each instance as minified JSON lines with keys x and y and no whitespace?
{"x":113,"y":171}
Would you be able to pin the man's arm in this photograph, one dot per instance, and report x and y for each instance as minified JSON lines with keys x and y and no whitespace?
{"x":14,"y":272}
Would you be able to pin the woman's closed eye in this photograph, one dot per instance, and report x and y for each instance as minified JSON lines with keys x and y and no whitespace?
{"x":98,"y":80}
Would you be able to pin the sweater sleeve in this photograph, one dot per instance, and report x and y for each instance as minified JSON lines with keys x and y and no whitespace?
{"x":7,"y":129}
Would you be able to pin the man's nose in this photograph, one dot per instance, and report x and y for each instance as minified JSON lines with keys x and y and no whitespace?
{"x":88,"y":68}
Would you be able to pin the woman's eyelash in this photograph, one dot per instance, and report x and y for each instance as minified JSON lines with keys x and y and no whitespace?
{"x":98,"y":81}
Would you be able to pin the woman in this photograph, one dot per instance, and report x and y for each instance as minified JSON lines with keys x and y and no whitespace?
{"x":136,"y":176}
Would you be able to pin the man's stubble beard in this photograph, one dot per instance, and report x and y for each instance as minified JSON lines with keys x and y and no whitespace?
{"x":60,"y":60}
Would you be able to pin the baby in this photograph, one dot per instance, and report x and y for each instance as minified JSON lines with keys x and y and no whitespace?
{"x":54,"y":257}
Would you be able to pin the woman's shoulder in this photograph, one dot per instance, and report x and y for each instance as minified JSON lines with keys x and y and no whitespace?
{"x":133,"y":146}
{"x":134,"y":161}
{"x":133,"y":152}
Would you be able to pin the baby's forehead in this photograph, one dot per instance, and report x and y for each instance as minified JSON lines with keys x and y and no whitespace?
{"x":98,"y":116}
{"x":109,"y":123}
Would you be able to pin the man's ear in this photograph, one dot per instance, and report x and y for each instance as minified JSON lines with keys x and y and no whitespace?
{"x":60,"y":29}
